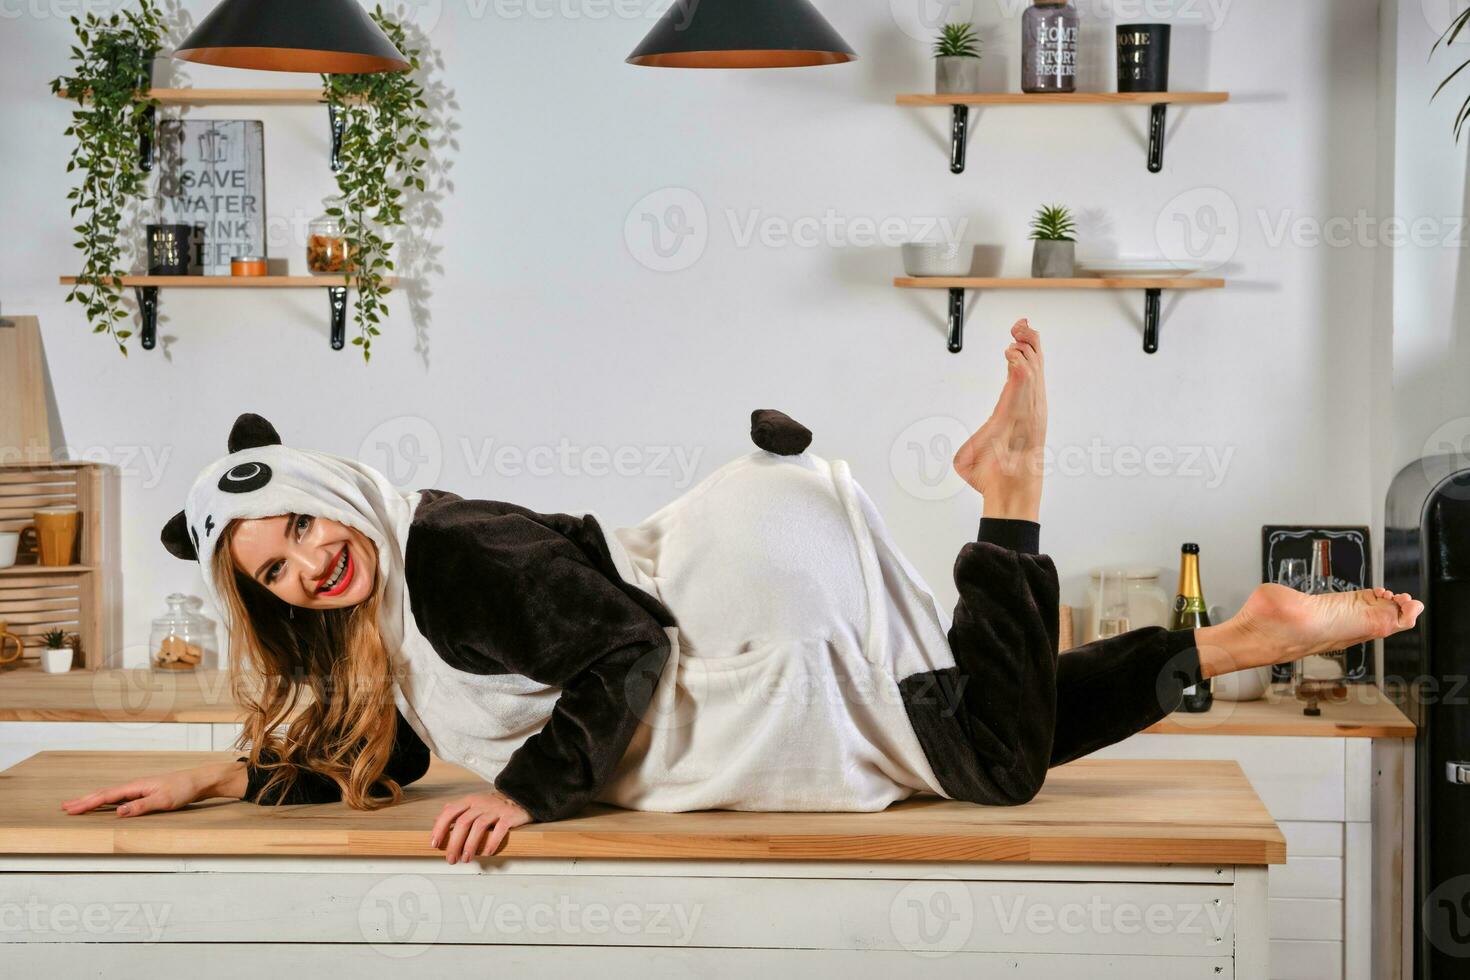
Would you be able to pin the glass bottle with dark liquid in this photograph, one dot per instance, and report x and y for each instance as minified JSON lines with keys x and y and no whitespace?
{"x":1190,"y":613}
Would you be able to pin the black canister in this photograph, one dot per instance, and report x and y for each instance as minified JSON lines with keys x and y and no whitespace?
{"x":168,"y":249}
{"x":1143,"y":57}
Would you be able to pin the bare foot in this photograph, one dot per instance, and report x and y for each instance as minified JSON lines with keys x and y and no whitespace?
{"x":1003,"y":459}
{"x":1278,"y":625}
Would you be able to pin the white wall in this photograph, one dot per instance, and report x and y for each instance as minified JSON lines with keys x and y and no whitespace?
{"x":1431,"y":281}
{"x":544,"y":326}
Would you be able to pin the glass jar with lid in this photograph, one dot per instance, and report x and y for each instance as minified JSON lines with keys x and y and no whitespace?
{"x":326,"y":241}
{"x":179,"y":640}
{"x":208,"y":632}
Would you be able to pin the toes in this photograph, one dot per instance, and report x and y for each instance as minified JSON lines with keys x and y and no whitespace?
{"x":1027,"y":337}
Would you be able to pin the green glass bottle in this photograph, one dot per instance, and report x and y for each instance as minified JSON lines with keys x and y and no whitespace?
{"x":1190,"y":613}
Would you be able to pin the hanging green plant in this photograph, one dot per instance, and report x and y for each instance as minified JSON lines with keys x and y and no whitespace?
{"x":112,"y":64}
{"x":385,"y":142}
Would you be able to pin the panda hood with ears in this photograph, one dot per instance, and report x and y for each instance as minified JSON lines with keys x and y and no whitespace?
{"x":262,"y":478}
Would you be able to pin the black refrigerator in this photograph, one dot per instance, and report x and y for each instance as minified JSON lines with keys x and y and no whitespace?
{"x":1426,"y":552}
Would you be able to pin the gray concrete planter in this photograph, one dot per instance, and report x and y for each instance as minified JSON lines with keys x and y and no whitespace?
{"x":955,"y":75}
{"x":1054,"y":260}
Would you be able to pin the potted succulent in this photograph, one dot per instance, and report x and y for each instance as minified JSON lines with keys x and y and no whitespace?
{"x":1055,"y":253}
{"x":956,"y":60}
{"x":56,"y":658}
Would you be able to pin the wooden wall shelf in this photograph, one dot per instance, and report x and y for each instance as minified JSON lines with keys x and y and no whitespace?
{"x":1156,"y":102}
{"x":1152,"y":292}
{"x":229,"y":96}
{"x":82,"y":598}
{"x":146,"y":289}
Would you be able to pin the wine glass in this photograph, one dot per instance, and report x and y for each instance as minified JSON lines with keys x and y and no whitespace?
{"x":1292,"y":573}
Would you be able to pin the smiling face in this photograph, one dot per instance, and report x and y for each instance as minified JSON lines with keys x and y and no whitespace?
{"x":307,"y":561}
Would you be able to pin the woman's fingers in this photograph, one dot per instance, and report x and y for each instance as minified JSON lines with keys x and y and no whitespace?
{"x":148,"y":803}
{"x":445,"y":821}
{"x":455,"y":845}
{"x":476,"y":837}
{"x":112,"y":794}
{"x":496,"y":838}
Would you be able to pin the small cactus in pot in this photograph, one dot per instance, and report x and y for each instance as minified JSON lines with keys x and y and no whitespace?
{"x":957,"y":60}
{"x":57,"y":656}
{"x":1055,"y":253}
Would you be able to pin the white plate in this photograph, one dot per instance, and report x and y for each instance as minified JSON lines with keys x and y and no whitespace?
{"x":1135,"y":268}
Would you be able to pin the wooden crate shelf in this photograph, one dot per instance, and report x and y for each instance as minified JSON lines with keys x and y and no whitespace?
{"x":81,"y":598}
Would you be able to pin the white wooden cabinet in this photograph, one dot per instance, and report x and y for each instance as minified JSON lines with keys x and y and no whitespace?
{"x":1337,"y":906}
{"x":23,"y":739}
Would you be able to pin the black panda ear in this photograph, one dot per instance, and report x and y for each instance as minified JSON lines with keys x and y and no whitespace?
{"x":250,"y":431}
{"x":176,"y":538}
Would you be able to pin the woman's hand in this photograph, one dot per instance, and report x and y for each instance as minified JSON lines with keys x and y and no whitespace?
{"x":475,"y":824}
{"x":169,"y":791}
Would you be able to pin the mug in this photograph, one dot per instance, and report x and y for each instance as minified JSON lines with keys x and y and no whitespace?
{"x":10,"y":545}
{"x":8,"y":640}
{"x":56,"y":530}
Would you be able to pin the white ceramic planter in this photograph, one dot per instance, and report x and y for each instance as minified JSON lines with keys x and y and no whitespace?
{"x":937,"y":258}
{"x":956,"y":75}
{"x":1054,"y":260}
{"x":56,"y":661}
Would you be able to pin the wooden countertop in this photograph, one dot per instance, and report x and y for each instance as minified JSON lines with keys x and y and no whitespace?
{"x":27,"y":694}
{"x":1367,"y":713}
{"x":1091,"y":811}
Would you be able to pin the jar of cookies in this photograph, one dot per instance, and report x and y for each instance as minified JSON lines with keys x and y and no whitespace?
{"x":326,"y":242}
{"x":177,"y":641}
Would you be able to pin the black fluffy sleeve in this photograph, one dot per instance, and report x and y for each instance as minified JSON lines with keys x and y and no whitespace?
{"x":500,"y":590}
{"x":408,"y":761}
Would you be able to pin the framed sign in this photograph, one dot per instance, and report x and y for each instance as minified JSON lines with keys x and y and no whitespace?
{"x":212,"y":177}
{"x":1352,"y":568}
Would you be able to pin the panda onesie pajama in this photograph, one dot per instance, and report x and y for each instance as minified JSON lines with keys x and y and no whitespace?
{"x":758,"y":644}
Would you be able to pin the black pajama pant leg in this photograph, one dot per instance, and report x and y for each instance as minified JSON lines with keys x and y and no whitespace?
{"x":1010,"y":708}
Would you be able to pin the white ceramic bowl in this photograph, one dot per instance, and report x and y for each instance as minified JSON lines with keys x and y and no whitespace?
{"x":937,"y":258}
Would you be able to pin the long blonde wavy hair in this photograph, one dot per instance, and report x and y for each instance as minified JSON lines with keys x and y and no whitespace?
{"x":325,"y":674}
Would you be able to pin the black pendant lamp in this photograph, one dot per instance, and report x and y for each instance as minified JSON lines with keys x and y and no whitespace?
{"x":335,"y":37}
{"x":741,"y":34}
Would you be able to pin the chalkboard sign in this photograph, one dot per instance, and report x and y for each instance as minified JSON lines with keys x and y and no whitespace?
{"x":1352,"y":568}
{"x":212,"y":177}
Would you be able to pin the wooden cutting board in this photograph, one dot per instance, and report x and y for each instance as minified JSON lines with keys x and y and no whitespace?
{"x":25,"y":422}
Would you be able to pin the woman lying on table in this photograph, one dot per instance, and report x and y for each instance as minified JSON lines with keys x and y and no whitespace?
{"x":758,"y":644}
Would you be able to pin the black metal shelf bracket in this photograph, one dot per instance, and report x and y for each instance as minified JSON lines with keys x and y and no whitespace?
{"x":147,"y":297}
{"x":337,"y":120}
{"x":1152,"y":301}
{"x":959,"y":138}
{"x":1152,"y":308}
{"x":145,"y":139}
{"x":337,"y":296}
{"x":1156,"y":137}
{"x":956,"y":339}
{"x":959,"y":131}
